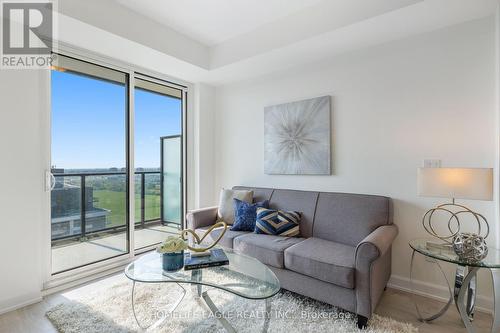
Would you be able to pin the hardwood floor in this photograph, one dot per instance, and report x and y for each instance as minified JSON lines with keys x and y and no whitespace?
{"x":395,"y":304}
{"x":399,"y":306}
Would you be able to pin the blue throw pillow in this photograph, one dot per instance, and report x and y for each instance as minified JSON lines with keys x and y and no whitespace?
{"x":245,"y":214}
{"x":277,"y":222}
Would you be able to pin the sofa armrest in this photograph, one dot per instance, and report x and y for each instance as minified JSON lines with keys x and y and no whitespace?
{"x":377,"y":243}
{"x":373,"y":267}
{"x":202,"y":217}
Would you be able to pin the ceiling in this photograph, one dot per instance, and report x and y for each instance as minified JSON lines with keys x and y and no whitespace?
{"x":223,"y":41}
{"x":211,"y":22}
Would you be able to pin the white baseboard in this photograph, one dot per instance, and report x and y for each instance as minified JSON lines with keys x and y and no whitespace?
{"x":433,"y":291}
{"x":56,"y":286}
{"x":19,"y":302}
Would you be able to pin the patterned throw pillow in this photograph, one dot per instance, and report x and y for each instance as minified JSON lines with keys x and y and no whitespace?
{"x":245,"y":214}
{"x":277,"y":222}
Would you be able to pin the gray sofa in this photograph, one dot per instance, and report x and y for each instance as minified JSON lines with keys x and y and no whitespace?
{"x":343,"y":256}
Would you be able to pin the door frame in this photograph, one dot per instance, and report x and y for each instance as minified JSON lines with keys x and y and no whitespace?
{"x":53,"y":283}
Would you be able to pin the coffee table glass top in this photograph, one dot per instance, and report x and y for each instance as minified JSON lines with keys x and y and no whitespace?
{"x":244,"y":276}
{"x":492,"y":260}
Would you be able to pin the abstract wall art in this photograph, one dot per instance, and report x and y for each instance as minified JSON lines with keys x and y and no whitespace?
{"x":297,"y":137}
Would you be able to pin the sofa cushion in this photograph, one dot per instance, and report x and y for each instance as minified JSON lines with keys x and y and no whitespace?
{"x":324,"y":260}
{"x":266,"y":248}
{"x":348,"y":218}
{"x":226,"y":240}
{"x":299,"y":201}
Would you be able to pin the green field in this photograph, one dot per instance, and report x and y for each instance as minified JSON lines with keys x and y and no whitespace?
{"x":114,"y":201}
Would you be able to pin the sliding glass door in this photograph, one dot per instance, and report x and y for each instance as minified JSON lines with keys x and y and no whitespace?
{"x":158,"y":113}
{"x":93,"y":118}
{"x":89,"y":210}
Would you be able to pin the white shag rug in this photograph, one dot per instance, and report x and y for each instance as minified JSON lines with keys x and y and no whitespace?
{"x":110,"y":311}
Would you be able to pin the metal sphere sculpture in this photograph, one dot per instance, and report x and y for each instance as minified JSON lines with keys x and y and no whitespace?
{"x":470,"y":247}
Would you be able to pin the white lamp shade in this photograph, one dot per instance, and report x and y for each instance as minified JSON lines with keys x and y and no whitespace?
{"x":457,"y":183}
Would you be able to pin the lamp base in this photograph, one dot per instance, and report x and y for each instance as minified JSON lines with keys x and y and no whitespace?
{"x":453,"y":221}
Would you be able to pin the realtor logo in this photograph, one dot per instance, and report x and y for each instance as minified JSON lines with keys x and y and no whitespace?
{"x":27,"y":34}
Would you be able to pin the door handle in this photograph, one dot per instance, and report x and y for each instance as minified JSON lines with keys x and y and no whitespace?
{"x":50,"y":181}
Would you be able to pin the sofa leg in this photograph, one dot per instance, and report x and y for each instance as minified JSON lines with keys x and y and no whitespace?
{"x":362,"y":322}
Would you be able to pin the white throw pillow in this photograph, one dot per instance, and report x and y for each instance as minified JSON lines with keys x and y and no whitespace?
{"x":226,"y":205}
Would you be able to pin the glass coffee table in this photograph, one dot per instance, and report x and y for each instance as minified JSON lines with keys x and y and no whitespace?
{"x":464,"y":293}
{"x":244,"y":276}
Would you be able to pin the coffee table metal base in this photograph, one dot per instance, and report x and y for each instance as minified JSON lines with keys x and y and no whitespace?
{"x":198,"y":291}
{"x":163,"y":317}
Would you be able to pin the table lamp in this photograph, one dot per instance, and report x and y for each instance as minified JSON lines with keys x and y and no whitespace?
{"x":458,"y":183}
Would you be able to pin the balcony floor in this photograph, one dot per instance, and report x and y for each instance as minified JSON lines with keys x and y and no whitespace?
{"x":75,"y":254}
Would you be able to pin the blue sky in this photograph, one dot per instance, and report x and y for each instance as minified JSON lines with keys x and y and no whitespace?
{"x":88,"y":123}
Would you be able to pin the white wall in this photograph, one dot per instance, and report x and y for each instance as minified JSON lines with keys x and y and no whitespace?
{"x":394,"y":105}
{"x":204,"y":146}
{"x":21,"y":197}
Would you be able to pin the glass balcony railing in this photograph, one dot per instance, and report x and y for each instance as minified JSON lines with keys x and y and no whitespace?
{"x":147,"y":196}
{"x":90,"y":203}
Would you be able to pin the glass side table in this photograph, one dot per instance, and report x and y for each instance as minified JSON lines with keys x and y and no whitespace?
{"x":464,"y":291}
